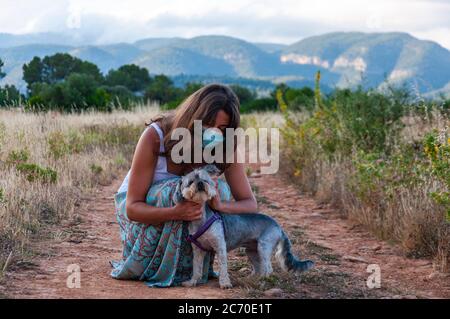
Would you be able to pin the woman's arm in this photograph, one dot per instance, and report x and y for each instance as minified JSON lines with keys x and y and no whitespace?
{"x":245,"y":201}
{"x":141,"y":177}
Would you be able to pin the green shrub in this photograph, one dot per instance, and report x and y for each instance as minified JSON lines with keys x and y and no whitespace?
{"x":437,"y":149}
{"x":349,"y":152}
{"x":96,"y":169}
{"x":262,"y":104}
{"x":34,"y":172}
{"x":10,"y":96}
{"x":61,"y":144}
{"x":17,"y":157}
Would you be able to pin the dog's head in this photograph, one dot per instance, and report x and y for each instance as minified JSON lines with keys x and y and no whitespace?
{"x":198,"y":185}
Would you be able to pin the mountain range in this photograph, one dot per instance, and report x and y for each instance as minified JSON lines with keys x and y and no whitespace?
{"x":345,"y":59}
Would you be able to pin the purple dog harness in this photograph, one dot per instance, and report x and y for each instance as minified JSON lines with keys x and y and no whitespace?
{"x":193,"y":238}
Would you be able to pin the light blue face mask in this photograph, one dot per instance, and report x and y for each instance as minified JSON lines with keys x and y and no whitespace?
{"x":211,"y":137}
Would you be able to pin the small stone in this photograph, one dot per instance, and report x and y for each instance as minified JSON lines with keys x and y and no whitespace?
{"x":376,"y":247}
{"x":354,"y":259}
{"x":274,"y":292}
{"x":433,"y":275}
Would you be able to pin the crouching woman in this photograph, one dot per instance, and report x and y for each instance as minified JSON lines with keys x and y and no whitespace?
{"x":153,"y":230}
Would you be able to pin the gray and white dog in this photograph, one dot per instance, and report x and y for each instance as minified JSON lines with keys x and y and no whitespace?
{"x":258,"y":233}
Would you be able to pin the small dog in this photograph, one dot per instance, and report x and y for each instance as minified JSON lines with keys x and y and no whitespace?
{"x":258,"y":233}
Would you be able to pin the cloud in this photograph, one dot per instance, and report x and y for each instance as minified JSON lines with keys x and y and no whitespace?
{"x":285,"y":21}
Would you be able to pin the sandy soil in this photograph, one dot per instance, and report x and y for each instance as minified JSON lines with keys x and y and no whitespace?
{"x":341,"y":250}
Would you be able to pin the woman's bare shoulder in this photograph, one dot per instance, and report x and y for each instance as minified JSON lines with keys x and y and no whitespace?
{"x":150,"y":140}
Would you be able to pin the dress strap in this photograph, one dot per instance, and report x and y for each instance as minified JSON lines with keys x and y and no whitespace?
{"x":161,"y":136}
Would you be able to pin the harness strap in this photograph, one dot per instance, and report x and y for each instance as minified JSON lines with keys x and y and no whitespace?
{"x":193,"y":238}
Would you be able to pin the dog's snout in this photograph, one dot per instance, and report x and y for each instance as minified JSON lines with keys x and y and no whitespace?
{"x":200,"y":186}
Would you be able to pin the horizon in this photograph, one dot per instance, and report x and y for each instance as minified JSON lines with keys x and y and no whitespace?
{"x":105,"y":22}
{"x":211,"y":35}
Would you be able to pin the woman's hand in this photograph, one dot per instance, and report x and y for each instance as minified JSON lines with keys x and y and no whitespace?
{"x":188,"y":211}
{"x":215,"y":202}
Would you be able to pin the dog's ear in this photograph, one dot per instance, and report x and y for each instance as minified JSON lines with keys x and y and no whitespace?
{"x":212,"y":170}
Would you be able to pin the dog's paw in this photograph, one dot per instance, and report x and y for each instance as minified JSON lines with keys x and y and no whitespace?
{"x":189,"y":283}
{"x":225,"y":284}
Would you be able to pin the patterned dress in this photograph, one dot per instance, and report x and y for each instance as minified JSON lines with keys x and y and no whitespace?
{"x":160,"y":255}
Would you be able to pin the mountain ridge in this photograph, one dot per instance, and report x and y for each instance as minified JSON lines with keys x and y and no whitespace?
{"x":346,"y":59}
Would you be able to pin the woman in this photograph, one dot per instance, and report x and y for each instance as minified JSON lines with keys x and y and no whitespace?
{"x":153,"y":231}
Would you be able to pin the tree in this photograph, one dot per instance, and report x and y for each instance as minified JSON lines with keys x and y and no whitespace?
{"x":300,"y":98}
{"x":33,"y":72}
{"x":78,"y":92}
{"x":131,"y":76}
{"x":191,"y":87}
{"x":279,"y":87}
{"x":162,"y":90}
{"x":10,"y":96}
{"x":121,"y":96}
{"x":54,"y":69}
{"x":262,"y":104}
{"x":244,"y":95}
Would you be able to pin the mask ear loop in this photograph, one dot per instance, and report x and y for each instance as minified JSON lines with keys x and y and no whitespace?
{"x":212,"y":137}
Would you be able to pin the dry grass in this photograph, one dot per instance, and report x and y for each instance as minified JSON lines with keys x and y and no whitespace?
{"x":408,"y":216}
{"x":91,"y":149}
{"x":83,"y":150}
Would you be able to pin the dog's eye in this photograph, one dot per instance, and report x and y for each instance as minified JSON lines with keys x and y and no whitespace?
{"x":190,"y":183}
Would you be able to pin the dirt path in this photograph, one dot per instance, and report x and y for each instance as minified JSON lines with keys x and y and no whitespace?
{"x":341,"y":250}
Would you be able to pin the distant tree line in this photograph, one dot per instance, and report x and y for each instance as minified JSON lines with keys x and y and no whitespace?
{"x":65,"y":83}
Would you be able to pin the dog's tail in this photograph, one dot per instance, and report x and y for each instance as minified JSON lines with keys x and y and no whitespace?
{"x":287,"y":261}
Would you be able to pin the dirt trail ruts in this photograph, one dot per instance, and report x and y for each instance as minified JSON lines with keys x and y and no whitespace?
{"x":341,"y":250}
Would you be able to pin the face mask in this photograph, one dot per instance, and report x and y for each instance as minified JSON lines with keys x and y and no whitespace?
{"x":211,"y":137}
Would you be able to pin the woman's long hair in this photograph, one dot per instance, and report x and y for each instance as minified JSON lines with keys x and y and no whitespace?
{"x":204,"y":104}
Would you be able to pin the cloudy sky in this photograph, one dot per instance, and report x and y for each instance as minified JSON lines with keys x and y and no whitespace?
{"x":283,"y":21}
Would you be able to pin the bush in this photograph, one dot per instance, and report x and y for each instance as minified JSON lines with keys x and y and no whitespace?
{"x":262,"y":104}
{"x":17,"y":157}
{"x":349,"y":151}
{"x":34,"y":172}
{"x":121,"y":97}
{"x":299,"y":99}
{"x":10,"y":96}
{"x":437,"y":149}
{"x":244,"y":95}
{"x":78,"y":92}
{"x":162,"y":90}
{"x":60,"y":144}
{"x":96,"y":169}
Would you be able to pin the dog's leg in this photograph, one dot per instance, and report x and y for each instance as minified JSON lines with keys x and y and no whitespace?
{"x":265,"y":250}
{"x":224,"y":279}
{"x":254,"y":259}
{"x":197,"y":271}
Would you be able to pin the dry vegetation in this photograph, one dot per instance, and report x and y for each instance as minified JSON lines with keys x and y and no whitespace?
{"x":383,"y":162}
{"x":48,"y":161}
